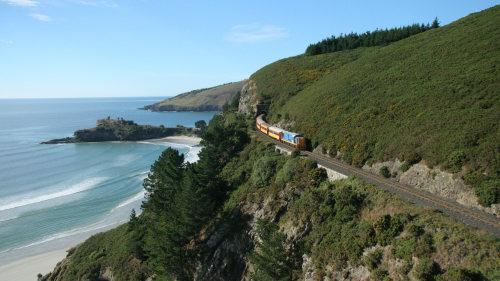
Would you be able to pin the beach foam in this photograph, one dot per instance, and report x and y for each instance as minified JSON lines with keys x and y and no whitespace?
{"x":138,"y":196}
{"x":17,"y":202}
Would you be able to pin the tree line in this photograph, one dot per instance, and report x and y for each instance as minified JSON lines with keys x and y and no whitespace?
{"x":182,"y":198}
{"x":379,"y":37}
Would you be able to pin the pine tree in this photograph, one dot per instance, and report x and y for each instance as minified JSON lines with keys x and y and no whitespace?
{"x":435,"y":23}
{"x":271,"y":260}
{"x":236,"y":101}
{"x":163,"y":182}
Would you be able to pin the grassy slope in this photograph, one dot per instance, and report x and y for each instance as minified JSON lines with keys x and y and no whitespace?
{"x":436,"y":93}
{"x":215,"y":96}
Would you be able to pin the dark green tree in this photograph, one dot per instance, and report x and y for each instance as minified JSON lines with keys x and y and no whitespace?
{"x":236,"y":102}
{"x":271,"y":259}
{"x":435,"y":23}
{"x":201,"y":124}
{"x":226,"y":107}
{"x":163,"y":183}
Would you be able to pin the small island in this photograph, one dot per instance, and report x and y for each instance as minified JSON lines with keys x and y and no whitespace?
{"x":121,"y":130}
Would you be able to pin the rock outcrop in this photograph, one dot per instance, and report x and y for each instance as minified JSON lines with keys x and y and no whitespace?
{"x":435,"y":181}
{"x":248,"y":98}
{"x":119,"y":130}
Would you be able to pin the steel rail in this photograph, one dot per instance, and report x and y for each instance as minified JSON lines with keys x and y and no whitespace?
{"x":403,"y":188}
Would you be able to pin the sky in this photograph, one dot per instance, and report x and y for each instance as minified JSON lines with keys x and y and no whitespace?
{"x":133,"y":48}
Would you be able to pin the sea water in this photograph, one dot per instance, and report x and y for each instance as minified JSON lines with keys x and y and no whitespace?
{"x":53,"y":196}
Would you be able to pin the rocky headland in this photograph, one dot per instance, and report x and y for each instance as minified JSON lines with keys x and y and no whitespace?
{"x":120,"y":130}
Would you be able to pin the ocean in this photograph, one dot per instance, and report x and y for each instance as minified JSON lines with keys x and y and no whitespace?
{"x":53,"y":196}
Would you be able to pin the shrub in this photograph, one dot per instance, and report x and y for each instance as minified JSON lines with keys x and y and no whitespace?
{"x":316,"y":176}
{"x":295,"y":153}
{"x":372,"y":260}
{"x":455,"y":161}
{"x":426,"y":269}
{"x":405,"y":167}
{"x":379,"y":274}
{"x":332,"y":151}
{"x":384,"y":171}
{"x":314,"y":144}
{"x":263,"y":170}
{"x":287,"y":173}
{"x":488,"y":192}
{"x":462,"y":274}
{"x":413,"y":158}
{"x":323,"y":149}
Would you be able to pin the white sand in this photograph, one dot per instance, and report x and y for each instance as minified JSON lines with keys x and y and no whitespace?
{"x":178,"y":139}
{"x":28,"y":268}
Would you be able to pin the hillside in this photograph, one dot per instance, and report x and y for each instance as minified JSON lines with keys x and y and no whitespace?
{"x":435,"y":95}
{"x":211,"y":99}
{"x":282,"y":219}
{"x":246,"y":212}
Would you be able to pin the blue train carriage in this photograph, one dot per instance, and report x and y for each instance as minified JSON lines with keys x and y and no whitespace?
{"x":294,"y":140}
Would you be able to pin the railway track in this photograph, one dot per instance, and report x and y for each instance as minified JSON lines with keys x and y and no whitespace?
{"x":463,"y":214}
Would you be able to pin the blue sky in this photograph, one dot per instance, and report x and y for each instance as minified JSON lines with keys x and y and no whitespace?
{"x":120,"y":48}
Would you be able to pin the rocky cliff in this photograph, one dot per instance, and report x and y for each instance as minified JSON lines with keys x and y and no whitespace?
{"x":248,"y":98}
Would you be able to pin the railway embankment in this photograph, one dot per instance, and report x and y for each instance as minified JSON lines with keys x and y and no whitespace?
{"x":434,"y":181}
{"x":462,"y":213}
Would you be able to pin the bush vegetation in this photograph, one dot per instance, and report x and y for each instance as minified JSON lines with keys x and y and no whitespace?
{"x":340,"y":219}
{"x":434,"y":94}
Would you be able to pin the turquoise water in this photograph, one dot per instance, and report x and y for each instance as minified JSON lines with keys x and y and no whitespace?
{"x":53,"y":196}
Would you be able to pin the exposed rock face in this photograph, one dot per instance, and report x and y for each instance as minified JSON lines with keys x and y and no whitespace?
{"x":435,"y":181}
{"x":333,"y":175}
{"x":248,"y":98}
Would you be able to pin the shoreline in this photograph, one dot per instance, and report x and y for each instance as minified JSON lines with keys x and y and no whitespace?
{"x":175,"y":139}
{"x":172,"y":139}
{"x":28,"y":267}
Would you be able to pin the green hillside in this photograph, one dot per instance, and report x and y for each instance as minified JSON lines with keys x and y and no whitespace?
{"x":435,"y":94}
{"x":211,"y":99}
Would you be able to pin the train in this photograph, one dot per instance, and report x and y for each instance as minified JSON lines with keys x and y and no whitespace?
{"x":285,"y":137}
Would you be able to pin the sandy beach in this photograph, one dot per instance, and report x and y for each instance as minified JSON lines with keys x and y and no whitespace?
{"x":26,"y":269}
{"x":178,"y":139}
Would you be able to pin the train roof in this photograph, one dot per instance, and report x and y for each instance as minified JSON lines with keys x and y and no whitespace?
{"x":292,"y":134}
{"x":276,"y":129}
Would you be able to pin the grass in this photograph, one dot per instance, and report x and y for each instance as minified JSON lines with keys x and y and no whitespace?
{"x":210,"y":99}
{"x":436,"y":94}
